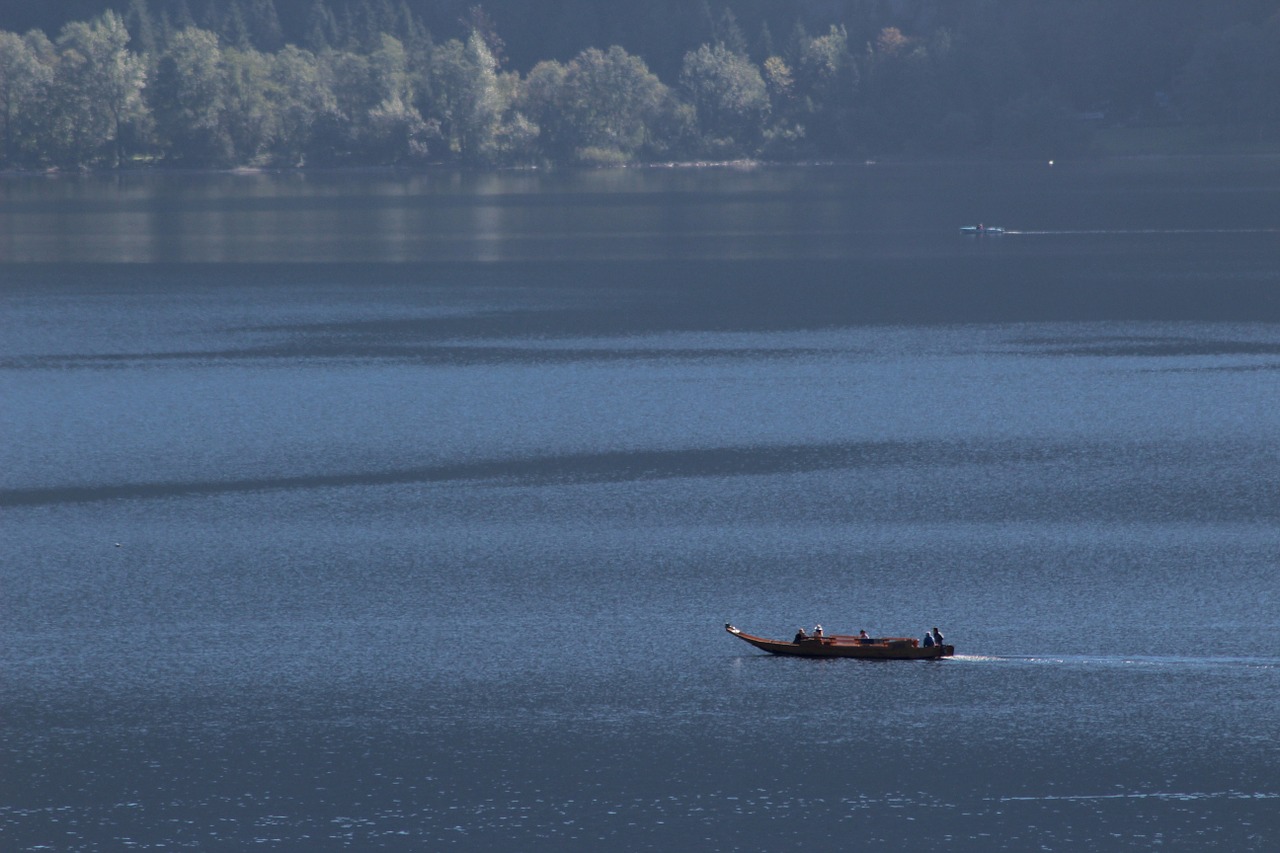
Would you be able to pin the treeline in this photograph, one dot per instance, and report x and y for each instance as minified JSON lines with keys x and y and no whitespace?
{"x":217,"y":83}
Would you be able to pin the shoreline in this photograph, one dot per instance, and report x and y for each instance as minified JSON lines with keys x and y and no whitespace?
{"x":54,"y":173}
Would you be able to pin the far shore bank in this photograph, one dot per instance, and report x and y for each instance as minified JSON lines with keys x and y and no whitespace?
{"x":1120,"y":143}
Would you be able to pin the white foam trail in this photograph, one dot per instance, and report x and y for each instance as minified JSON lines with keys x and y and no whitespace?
{"x":1152,"y":231}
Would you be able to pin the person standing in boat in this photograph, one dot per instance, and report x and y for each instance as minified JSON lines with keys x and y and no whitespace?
{"x":937,"y":636}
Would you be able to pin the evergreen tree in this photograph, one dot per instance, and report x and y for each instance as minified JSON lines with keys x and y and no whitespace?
{"x":827,"y":78}
{"x":142,"y":28}
{"x":366,"y":25}
{"x":729,"y":34}
{"x":321,"y":28}
{"x":181,"y":18}
{"x":764,"y":44}
{"x":263,"y":20}
{"x":235,"y":26}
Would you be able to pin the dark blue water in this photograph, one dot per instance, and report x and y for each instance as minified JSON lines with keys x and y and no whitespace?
{"x":430,"y":545}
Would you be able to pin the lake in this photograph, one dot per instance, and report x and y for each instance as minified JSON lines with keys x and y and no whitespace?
{"x":405,"y":512}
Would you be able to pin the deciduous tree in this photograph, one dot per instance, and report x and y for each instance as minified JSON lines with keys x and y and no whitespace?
{"x":730,"y":98}
{"x":24,"y":85}
{"x":298,"y":97}
{"x":249,"y":119}
{"x":609,"y":101}
{"x":98,"y":86}
{"x":468,"y":99}
{"x":188,"y":100}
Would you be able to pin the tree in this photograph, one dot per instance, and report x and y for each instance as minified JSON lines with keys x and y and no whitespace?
{"x":173,"y":17}
{"x":187,"y":100}
{"x":468,"y":99}
{"x":142,"y":27}
{"x":785,"y":133}
{"x":602,"y":107}
{"x":764,"y":44}
{"x":827,"y":79}
{"x":349,"y":76}
{"x":1037,"y":123}
{"x":298,"y":97}
{"x":539,"y":98}
{"x":375,"y":103}
{"x":24,"y":84}
{"x":369,"y":20}
{"x":98,"y":89}
{"x":264,"y":25}
{"x":730,"y":98}
{"x":477,"y":20}
{"x":248,"y":116}
{"x":900,"y":91}
{"x":608,"y":101}
{"x":321,"y":27}
{"x":729,"y":35}
{"x":230,"y":21}
{"x":397,"y":133}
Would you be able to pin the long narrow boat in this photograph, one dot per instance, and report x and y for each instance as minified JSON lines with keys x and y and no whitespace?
{"x":979,"y":230}
{"x":847,"y":646}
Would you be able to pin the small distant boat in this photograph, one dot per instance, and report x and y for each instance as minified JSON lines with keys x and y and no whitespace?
{"x":848,"y":646}
{"x":980,"y":230}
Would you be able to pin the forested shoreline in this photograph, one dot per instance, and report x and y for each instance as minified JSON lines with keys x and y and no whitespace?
{"x":331,"y":83}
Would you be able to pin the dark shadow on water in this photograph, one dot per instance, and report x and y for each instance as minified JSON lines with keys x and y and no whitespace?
{"x":1155,"y":347}
{"x":467,"y":313}
{"x":427,"y":355}
{"x":582,"y":468}
{"x":937,"y":481}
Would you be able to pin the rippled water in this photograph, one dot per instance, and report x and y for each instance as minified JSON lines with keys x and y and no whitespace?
{"x":430,"y":546}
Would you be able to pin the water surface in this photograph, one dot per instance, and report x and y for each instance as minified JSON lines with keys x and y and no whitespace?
{"x":405,"y":512}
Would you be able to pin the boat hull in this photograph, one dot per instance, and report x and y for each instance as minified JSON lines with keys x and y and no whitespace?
{"x":843,"y":646}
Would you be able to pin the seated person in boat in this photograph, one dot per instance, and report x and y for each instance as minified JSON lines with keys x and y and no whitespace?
{"x":928,"y":640}
{"x":864,"y":638}
{"x":817,"y":632}
{"x":800,"y":637}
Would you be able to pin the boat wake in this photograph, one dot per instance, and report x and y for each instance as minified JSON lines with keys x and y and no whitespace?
{"x":1085,"y":232}
{"x":1180,"y":661}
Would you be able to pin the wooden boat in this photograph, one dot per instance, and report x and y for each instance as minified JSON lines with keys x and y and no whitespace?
{"x":979,"y":230}
{"x":848,"y":646}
